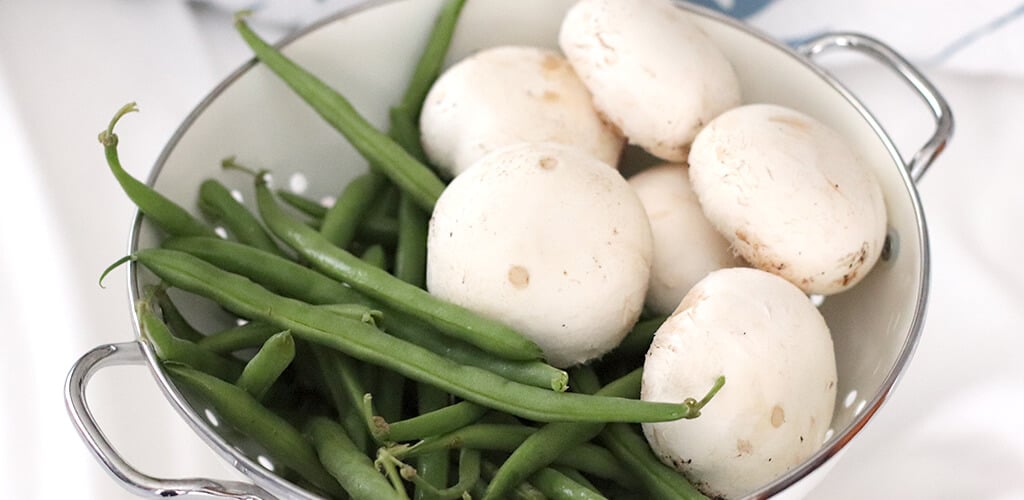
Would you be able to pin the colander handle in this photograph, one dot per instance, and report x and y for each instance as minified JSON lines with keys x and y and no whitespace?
{"x":130,"y":353}
{"x":881,"y":52}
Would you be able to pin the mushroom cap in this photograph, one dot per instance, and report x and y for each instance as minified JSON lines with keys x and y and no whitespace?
{"x":790,"y":196}
{"x":548,"y":240}
{"x":686,"y":246}
{"x":510,"y":94}
{"x":774,"y":349}
{"x":653,"y":73}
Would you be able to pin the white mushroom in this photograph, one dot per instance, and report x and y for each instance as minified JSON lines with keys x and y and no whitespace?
{"x":774,"y":349}
{"x":652,"y":71}
{"x":505,"y":95}
{"x":790,"y":195}
{"x":686,"y":246}
{"x":548,"y":240}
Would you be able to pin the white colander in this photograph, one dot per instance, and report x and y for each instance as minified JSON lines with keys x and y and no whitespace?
{"x":367,"y":53}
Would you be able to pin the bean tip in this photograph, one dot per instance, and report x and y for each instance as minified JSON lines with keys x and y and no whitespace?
{"x":241,"y":16}
{"x":117,"y":263}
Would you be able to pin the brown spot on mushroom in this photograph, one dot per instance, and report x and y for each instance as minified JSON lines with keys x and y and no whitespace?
{"x":550,"y":96}
{"x":548,"y":163}
{"x":551,"y":62}
{"x":792,"y":121}
{"x":778,"y":416}
{"x":744,"y":447}
{"x":518,"y":276}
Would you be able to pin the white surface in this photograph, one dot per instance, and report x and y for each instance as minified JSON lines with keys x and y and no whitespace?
{"x":951,"y":431}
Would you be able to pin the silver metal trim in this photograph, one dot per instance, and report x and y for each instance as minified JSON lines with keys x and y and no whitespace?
{"x":131,"y":353}
{"x":882,"y":53}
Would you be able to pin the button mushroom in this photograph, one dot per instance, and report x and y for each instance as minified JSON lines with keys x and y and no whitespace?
{"x":790,"y":196}
{"x":504,"y":95}
{"x":686,"y":246}
{"x":652,"y":71}
{"x":547,"y":239}
{"x":774,"y":349}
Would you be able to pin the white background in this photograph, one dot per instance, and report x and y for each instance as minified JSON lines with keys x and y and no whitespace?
{"x":953,"y":429}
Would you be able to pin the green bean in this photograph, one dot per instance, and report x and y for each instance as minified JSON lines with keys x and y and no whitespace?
{"x":247,"y":336}
{"x":389,"y":386}
{"x":586,"y":457}
{"x":274,"y":272}
{"x":383,"y":152}
{"x":346,"y":462}
{"x":431,"y":61}
{"x":298,"y":282}
{"x":558,"y":486}
{"x":382,"y":230}
{"x":524,"y":491}
{"x":342,"y":219}
{"x":216,"y":202}
{"x":553,"y":440}
{"x":451,"y":319}
{"x":267,"y":364}
{"x":163,"y":212}
{"x":171,"y":348}
{"x":434,"y":422}
{"x":638,"y":340}
{"x":376,"y":257}
{"x":305,"y":205}
{"x":364,"y":342}
{"x":177,"y":323}
{"x":432,"y":467}
{"x":335,"y":373}
{"x":386,"y":205}
{"x":575,"y":475}
{"x":406,"y":132}
{"x":411,"y":253}
{"x":241,"y":411}
{"x":535,"y":373}
{"x":660,"y":480}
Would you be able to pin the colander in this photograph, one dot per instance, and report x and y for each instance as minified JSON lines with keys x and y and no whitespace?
{"x":367,"y":53}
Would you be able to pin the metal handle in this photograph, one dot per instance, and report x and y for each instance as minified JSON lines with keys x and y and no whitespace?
{"x":130,"y":353}
{"x":881,"y":52}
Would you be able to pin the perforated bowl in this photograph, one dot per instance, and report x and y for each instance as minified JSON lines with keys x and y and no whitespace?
{"x":367,"y":53}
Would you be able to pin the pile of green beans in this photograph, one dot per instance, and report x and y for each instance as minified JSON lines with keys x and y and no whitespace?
{"x":354,"y":379}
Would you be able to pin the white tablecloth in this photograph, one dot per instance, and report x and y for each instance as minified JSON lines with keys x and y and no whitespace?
{"x":952,"y":431}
